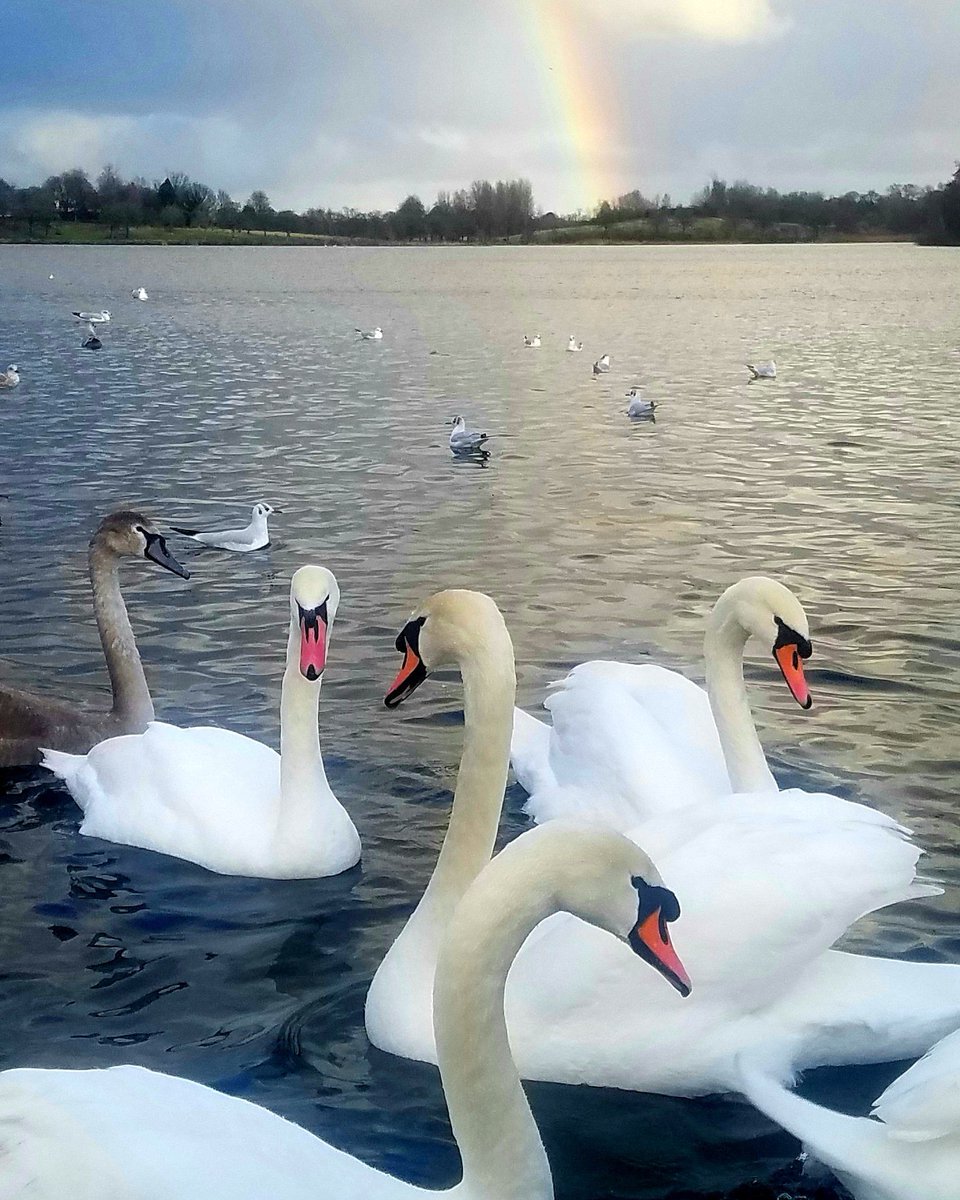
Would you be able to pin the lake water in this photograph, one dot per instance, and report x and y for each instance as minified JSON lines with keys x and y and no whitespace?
{"x":242,"y":379}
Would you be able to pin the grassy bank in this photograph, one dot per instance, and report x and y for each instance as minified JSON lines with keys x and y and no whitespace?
{"x":88,"y":233}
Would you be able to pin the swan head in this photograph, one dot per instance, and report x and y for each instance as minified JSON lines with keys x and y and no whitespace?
{"x":770,"y":612}
{"x":607,"y":879}
{"x":129,"y":534}
{"x":314,"y":596}
{"x":453,"y":627}
{"x":263,"y":510}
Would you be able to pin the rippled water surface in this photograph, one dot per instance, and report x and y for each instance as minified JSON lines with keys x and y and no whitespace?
{"x":242,"y":379}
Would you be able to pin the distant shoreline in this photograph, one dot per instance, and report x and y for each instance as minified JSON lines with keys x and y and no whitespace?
{"x":82,"y":235}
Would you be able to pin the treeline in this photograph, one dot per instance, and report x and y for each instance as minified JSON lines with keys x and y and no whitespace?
{"x":483,"y":211}
{"x":926,"y":213}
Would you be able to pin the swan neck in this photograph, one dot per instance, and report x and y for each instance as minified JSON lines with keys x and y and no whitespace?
{"x":500,"y":1146}
{"x":725,"y":641}
{"x":303,"y":781}
{"x":489,"y":690}
{"x":131,"y":697}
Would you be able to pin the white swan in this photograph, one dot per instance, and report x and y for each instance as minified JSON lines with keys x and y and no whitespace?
{"x":764,"y":370}
{"x":222,"y":800}
{"x":532,"y":343}
{"x":648,"y":739}
{"x":11,"y":376}
{"x":638,"y":407}
{"x":573,"y":346}
{"x":140,"y":293}
{"x":129,"y":1132}
{"x":254,"y":536}
{"x":911,"y":1152}
{"x":371,"y":335}
{"x":768,"y":882}
{"x":466,"y":441}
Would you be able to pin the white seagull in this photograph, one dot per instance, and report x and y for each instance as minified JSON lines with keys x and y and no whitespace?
{"x":252,"y":537}
{"x":573,"y":346}
{"x":533,"y":343}
{"x":97,"y":318}
{"x":140,"y":293}
{"x":371,"y":335}
{"x":638,"y":407}
{"x":466,"y":441}
{"x":603,"y":362}
{"x":764,"y":370}
{"x":10,"y":378}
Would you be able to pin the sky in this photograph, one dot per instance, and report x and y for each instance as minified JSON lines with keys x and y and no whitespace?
{"x":358,"y":103}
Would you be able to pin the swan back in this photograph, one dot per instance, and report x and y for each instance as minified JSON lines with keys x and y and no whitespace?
{"x":924,"y":1102}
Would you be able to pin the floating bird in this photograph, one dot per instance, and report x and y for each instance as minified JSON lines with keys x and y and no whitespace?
{"x":909,"y":1147}
{"x":573,"y":346}
{"x":638,"y":407}
{"x":97,"y":318}
{"x":764,"y":370}
{"x":10,"y":378}
{"x":533,"y":343}
{"x":466,"y":441}
{"x":218,"y":798}
{"x":90,"y":339}
{"x":252,"y":537}
{"x":128,"y":1131}
{"x":603,"y":362}
{"x":29,"y":720}
{"x":371,"y":335}
{"x":140,"y":293}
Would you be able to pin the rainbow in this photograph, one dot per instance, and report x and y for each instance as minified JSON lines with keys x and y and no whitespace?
{"x":588,"y":107}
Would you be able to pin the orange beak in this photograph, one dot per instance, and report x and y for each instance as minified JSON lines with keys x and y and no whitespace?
{"x":408,"y":678}
{"x":651,"y":940}
{"x":791,"y":665}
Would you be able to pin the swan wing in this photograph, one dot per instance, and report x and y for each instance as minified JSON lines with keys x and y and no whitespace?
{"x":138,"y":1134}
{"x":924,"y":1103}
{"x":530,"y":751}
{"x":627,"y":742}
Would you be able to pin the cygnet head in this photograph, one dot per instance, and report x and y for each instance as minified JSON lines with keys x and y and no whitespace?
{"x":451,"y":628}
{"x":129,"y":534}
{"x":263,"y":510}
{"x":606,"y":879}
{"x":770,"y":612}
{"x":314,"y":596}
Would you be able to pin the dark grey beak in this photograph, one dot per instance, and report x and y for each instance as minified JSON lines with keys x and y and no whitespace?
{"x":158,"y":552}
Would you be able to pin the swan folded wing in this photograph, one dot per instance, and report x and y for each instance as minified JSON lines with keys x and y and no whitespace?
{"x":200,"y":793}
{"x":137,"y":1134}
{"x":641,"y":740}
{"x":769,"y":883}
{"x":530,"y":751}
{"x":924,"y":1103}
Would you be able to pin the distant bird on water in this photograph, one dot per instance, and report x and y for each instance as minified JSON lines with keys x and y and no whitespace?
{"x":603,"y":362}
{"x":573,"y":346}
{"x":252,"y":537}
{"x":10,"y":378}
{"x":532,"y":343}
{"x":97,"y":318}
{"x":140,"y":293}
{"x":638,"y":407}
{"x":466,"y":441}
{"x":371,"y":335}
{"x":764,"y":370}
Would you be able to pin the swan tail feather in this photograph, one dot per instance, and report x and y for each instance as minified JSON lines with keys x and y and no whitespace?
{"x":64,"y":766}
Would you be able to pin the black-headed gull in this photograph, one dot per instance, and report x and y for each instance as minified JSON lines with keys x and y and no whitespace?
{"x":573,"y":346}
{"x":371,"y":335}
{"x":533,"y":343}
{"x":10,"y":378}
{"x":252,"y":537}
{"x":638,"y":407}
{"x":140,"y":293}
{"x":466,"y":441}
{"x":764,"y":370}
{"x":97,"y":318}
